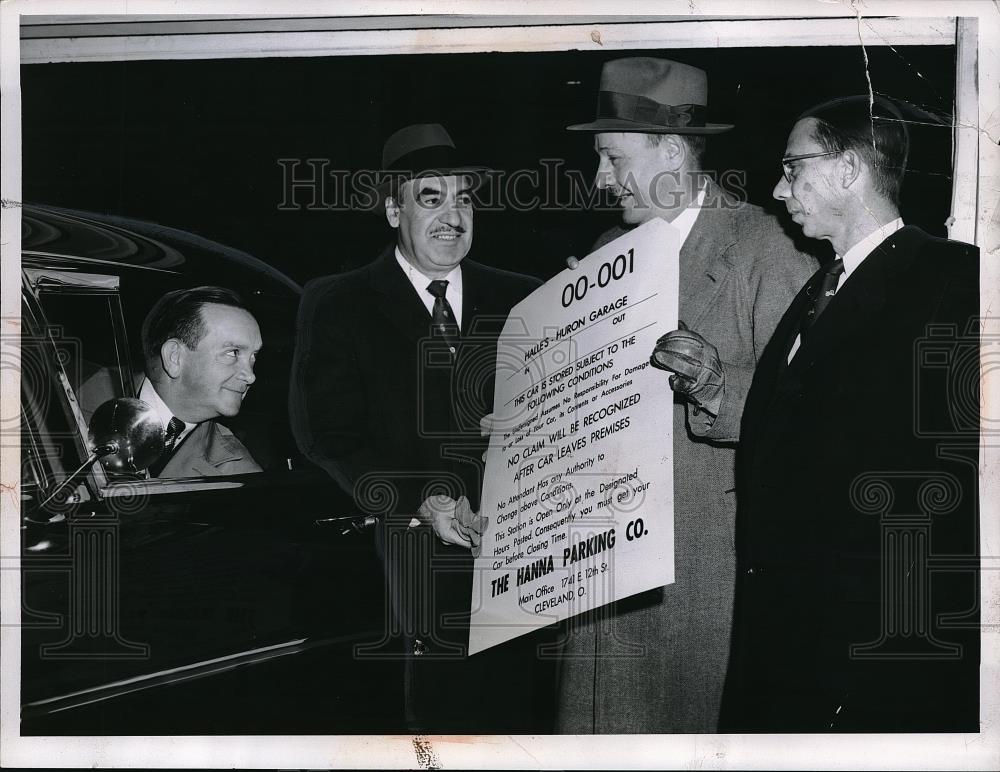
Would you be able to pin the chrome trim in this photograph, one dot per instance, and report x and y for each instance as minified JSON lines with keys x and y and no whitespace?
{"x":96,"y":261}
{"x":77,"y":699}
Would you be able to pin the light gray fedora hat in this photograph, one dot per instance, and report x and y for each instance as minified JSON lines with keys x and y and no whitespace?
{"x":652,"y":96}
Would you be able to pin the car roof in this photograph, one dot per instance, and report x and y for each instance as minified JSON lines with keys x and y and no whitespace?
{"x":67,"y":237}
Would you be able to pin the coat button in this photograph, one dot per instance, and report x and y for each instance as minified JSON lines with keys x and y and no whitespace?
{"x":419,"y":647}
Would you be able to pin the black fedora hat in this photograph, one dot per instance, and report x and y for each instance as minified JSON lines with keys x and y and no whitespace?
{"x":652,"y":96}
{"x":422,"y":150}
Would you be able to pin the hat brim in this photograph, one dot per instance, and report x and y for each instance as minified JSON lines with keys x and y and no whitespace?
{"x":622,"y":125}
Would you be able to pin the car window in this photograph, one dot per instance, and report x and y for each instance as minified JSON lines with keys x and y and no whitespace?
{"x":262,"y":423}
{"x":94,"y":312}
{"x":96,"y":364}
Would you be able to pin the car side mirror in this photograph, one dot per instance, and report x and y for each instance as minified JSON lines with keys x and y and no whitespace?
{"x":125,"y":434}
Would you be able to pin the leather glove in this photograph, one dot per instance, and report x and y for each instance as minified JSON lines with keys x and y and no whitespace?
{"x":696,"y":367}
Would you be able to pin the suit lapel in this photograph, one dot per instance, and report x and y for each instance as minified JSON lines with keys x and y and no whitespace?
{"x":704,"y":263}
{"x":218,"y":450}
{"x":788,"y":328}
{"x":858,"y":303}
{"x":473,"y":294}
{"x":482,"y":307}
{"x":396,"y":298}
{"x":203,"y":452}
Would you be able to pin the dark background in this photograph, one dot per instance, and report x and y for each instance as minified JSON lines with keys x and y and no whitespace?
{"x":195,"y":144}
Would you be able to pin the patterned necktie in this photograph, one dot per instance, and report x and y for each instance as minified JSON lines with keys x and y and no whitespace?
{"x":823,"y":295}
{"x":442,"y":316}
{"x":174,"y":429}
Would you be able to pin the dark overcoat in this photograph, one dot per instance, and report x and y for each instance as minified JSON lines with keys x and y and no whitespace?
{"x":381,"y":404}
{"x":856,"y":604}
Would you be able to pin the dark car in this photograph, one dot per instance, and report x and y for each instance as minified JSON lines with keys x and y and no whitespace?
{"x":241,"y":604}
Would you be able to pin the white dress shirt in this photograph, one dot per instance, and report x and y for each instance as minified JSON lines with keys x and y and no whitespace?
{"x":149,"y":395}
{"x":453,"y":294}
{"x":684,"y":222}
{"x":853,"y":257}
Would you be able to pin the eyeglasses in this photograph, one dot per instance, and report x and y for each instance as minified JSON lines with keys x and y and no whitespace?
{"x":786,"y":162}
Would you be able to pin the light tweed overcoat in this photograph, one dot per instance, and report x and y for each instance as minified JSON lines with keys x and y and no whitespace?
{"x":656,"y":662}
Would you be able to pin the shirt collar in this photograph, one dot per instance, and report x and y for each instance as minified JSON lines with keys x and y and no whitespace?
{"x":855,"y":255}
{"x":420,"y":282}
{"x":684,"y":222}
{"x":149,"y":395}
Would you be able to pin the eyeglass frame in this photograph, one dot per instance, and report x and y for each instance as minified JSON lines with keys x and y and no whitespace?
{"x":786,"y":160}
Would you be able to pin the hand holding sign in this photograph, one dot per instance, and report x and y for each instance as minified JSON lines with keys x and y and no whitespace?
{"x":470,"y":524}
{"x":440,"y":513}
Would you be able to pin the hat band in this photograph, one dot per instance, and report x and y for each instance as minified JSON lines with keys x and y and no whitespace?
{"x":437,"y":158}
{"x":640,"y":109}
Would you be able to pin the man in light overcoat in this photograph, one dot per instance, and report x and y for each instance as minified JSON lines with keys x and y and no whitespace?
{"x":656,"y":662}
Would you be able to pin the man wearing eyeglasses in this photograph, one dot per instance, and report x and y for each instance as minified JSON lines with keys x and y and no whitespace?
{"x":856,"y":602}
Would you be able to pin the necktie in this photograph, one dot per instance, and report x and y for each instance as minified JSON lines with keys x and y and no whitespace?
{"x":174,"y":429}
{"x":823,"y":295}
{"x":442,"y":317}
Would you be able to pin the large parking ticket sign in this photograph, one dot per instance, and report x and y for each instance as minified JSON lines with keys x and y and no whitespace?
{"x":579,"y":476}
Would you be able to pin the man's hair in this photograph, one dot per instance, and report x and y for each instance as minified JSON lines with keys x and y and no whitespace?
{"x":696,"y":145}
{"x":178,"y":315}
{"x":877,"y":132}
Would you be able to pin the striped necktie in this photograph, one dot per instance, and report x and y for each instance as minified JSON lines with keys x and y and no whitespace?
{"x":174,"y":429}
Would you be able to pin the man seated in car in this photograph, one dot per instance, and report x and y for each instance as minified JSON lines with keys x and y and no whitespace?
{"x":199,"y":346}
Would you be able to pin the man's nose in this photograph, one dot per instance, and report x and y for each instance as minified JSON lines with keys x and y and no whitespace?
{"x":246,"y":373}
{"x":782,"y":190}
{"x":450,"y":214}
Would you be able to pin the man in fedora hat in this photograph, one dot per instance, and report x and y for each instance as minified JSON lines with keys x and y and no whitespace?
{"x":392,"y":374}
{"x":655,"y":662}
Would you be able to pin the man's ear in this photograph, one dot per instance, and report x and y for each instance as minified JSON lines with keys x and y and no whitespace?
{"x":172,"y":357}
{"x":392,"y":211}
{"x":851,"y":168}
{"x":673,"y":151}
